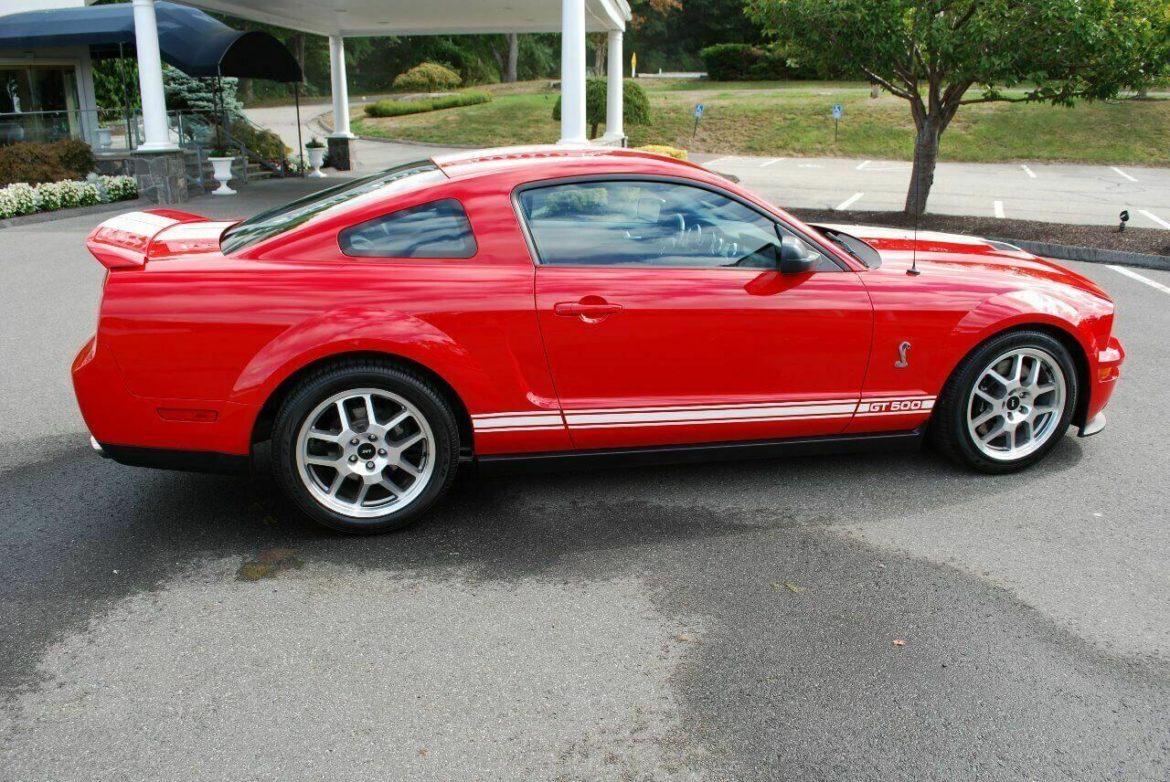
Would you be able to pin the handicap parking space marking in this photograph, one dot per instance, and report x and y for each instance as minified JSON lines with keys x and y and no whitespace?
{"x":767,"y":163}
{"x":999,"y":213}
{"x":848,"y":202}
{"x":1127,"y":176}
{"x":1031,"y":174}
{"x":1141,"y":278}
{"x":1154,"y":218}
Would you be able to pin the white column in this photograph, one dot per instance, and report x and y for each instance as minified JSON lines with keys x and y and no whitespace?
{"x":150,"y":80}
{"x":340,"y":88}
{"x":573,"y":72}
{"x":613,"y":89}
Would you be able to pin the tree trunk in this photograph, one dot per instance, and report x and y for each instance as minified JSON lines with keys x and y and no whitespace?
{"x":599,"y":56}
{"x":925,"y":160}
{"x":299,"y":55}
{"x":513,"y":56}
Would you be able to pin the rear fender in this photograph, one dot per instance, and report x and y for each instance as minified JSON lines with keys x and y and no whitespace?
{"x":362,"y":329}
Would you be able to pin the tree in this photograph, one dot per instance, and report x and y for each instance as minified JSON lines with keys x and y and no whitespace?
{"x":635,"y":104}
{"x":933,"y":53}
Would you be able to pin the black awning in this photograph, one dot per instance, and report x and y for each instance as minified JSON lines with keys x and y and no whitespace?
{"x":189,"y":39}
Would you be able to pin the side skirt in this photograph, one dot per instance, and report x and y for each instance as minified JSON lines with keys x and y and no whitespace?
{"x":708,"y":452}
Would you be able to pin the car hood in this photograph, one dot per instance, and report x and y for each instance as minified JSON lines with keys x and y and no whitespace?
{"x":985,"y":260}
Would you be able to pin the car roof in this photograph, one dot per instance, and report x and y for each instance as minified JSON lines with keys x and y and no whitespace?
{"x":550,"y":157}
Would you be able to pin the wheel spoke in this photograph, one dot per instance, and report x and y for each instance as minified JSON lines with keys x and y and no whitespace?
{"x":338,"y":479}
{"x":408,"y":468}
{"x":361,"y":495}
{"x":1033,"y":377}
{"x":998,"y":378}
{"x":986,"y":397}
{"x":322,"y":461}
{"x":1017,"y":367}
{"x":985,"y":417}
{"x":994,"y":433}
{"x":409,"y":441}
{"x":391,"y":486}
{"x":346,"y":424}
{"x":326,"y":437}
{"x":398,"y":420}
{"x":371,"y":418}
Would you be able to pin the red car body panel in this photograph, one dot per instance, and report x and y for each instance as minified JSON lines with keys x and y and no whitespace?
{"x":191,"y":344}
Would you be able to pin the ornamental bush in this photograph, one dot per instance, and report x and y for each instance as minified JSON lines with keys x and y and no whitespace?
{"x":635,"y":104}
{"x":427,"y":77}
{"x":22,"y":198}
{"x":35,"y":162}
{"x":744,"y":62}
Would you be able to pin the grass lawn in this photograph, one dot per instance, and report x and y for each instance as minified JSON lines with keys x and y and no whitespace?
{"x":792,"y":119}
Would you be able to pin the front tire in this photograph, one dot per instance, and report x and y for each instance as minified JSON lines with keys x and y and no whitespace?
{"x":365,"y":446}
{"x":1007,"y":405}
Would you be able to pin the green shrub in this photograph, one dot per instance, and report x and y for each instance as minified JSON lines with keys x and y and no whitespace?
{"x":36,"y":162}
{"x":263,"y":142}
{"x":635,"y":104}
{"x":744,"y":62}
{"x":398,"y":108}
{"x":663,"y":149}
{"x":427,"y":77}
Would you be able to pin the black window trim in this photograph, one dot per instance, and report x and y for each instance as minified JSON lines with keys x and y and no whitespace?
{"x":419,"y":205}
{"x":539,"y":184}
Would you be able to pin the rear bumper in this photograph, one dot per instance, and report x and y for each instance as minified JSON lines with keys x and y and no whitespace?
{"x":169,"y":459}
{"x":119,"y":419}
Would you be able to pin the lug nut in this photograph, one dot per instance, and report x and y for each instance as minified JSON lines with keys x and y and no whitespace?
{"x":354,"y":441}
{"x":381,"y":451}
{"x":353,"y":458}
{"x":369,"y":465}
{"x":373,"y":437}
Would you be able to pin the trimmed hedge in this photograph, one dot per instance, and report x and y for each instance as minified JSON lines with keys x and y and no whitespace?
{"x":427,"y":77}
{"x":398,"y":108}
{"x":744,"y":62}
{"x":635,"y":104}
{"x":35,"y":162}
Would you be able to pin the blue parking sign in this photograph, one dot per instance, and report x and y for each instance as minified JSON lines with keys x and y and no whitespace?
{"x":838,"y":111}
{"x":698,"y":110}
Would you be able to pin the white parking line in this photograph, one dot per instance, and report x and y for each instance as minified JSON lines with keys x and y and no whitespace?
{"x":718,"y":160}
{"x":1155,"y":218}
{"x":863,"y":165}
{"x":999,"y":209}
{"x":767,"y":163}
{"x":848,"y":202}
{"x":1029,"y":172}
{"x":1127,"y":176}
{"x":1140,"y":278}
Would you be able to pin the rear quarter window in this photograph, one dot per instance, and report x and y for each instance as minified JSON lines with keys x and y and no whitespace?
{"x":439,"y":229}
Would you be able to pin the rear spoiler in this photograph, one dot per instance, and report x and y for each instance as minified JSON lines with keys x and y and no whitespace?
{"x":124,"y":241}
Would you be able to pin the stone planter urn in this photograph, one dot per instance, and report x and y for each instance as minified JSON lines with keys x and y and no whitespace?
{"x":222,"y":171}
{"x":105,"y":138}
{"x":316,"y":159}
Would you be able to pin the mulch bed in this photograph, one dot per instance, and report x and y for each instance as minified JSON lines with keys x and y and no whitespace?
{"x":1151,"y":241}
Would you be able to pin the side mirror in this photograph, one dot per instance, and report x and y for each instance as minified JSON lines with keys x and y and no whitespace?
{"x":796,"y":257}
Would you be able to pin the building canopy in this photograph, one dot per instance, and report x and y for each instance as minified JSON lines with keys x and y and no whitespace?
{"x":188,"y":39}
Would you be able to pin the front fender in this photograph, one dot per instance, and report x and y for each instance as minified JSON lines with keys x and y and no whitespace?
{"x":360,"y":328}
{"x":1031,"y":307}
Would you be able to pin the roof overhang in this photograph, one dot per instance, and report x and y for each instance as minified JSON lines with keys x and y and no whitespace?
{"x":416,"y":17}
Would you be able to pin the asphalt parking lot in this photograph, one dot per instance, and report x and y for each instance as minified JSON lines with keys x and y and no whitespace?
{"x":724,"y":622}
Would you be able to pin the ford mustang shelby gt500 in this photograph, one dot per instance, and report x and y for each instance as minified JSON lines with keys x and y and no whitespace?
{"x":557,"y":305}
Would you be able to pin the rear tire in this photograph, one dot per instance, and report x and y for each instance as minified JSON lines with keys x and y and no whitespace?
{"x":364,"y":446}
{"x":1007,"y":405}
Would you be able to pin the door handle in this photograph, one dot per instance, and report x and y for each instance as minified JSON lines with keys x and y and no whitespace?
{"x":586,"y":310}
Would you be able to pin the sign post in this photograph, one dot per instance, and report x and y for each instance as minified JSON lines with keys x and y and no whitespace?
{"x":698,"y":116}
{"x":838,"y":111}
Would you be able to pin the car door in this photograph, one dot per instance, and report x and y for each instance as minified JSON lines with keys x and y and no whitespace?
{"x":666,"y":319}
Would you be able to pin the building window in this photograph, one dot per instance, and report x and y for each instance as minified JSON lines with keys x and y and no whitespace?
{"x":38,"y":103}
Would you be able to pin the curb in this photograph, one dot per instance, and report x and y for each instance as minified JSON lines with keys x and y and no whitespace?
{"x":77,"y":211}
{"x":1065,"y":252}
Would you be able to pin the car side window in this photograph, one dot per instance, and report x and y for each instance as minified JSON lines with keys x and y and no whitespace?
{"x":439,"y":229}
{"x":655,"y":224}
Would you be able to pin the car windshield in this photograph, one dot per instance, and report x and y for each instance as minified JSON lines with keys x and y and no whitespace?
{"x":288,"y":216}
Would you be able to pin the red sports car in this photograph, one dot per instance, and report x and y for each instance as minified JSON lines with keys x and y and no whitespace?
{"x":557,"y":305}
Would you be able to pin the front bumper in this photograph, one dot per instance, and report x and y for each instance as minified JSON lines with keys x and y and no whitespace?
{"x":1093,"y":426}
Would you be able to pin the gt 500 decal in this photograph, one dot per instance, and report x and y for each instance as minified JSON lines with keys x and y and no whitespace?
{"x":922,"y":404}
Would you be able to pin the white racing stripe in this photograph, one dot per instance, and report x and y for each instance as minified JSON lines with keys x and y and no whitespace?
{"x":1141,"y":278}
{"x":693,"y":415}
